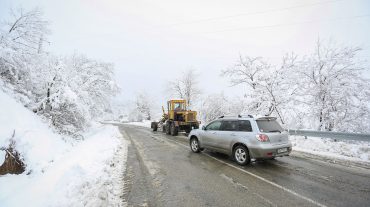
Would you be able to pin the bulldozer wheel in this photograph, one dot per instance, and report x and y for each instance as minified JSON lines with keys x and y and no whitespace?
{"x":168,"y":124}
{"x":155,"y":127}
{"x":174,"y":130}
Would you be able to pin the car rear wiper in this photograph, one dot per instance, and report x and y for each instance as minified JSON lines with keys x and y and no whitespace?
{"x":275,"y":131}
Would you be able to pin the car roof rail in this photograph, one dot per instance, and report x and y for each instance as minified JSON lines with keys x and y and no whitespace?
{"x":235,"y":116}
{"x":248,"y":115}
{"x":227,"y":116}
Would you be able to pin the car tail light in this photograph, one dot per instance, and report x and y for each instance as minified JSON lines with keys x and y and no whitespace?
{"x":262,"y":138}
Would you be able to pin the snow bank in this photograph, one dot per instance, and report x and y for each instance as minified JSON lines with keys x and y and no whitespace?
{"x":93,"y":171}
{"x":345,"y":150}
{"x":89,"y":173}
{"x":38,"y":145}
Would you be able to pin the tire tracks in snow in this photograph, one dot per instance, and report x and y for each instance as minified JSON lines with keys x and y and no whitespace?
{"x":145,"y":175}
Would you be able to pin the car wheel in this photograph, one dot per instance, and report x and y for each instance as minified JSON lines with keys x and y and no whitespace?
{"x":241,"y":155}
{"x":194,"y":145}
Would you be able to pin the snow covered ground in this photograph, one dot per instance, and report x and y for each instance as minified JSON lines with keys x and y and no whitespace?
{"x":145,"y":123}
{"x":344,"y":150}
{"x":60,"y":172}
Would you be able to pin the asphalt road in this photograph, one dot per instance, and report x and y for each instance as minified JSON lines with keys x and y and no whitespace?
{"x":162,"y":171}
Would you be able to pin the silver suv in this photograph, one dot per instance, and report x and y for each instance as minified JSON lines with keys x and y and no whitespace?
{"x":243,"y":138}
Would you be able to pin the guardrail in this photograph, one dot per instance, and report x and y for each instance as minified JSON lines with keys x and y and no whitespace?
{"x":334,"y":135}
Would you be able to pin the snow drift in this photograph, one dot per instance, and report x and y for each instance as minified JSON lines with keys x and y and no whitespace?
{"x":59,"y":172}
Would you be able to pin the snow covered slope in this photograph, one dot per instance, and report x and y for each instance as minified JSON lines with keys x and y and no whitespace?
{"x":58,"y":173}
{"x":34,"y":140}
{"x":343,"y":149}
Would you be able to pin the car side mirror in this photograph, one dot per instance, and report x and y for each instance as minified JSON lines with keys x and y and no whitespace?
{"x":203,"y":127}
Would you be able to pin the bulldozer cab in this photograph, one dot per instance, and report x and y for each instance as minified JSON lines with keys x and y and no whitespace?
{"x":176,"y":105}
{"x":177,"y":111}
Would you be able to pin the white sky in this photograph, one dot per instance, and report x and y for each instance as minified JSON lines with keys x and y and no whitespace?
{"x":151,"y":42}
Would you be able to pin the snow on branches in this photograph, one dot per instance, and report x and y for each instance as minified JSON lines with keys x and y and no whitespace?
{"x":333,"y":89}
{"x":185,"y":87}
{"x":325,"y":90}
{"x":69,"y":91}
{"x":268,"y":87}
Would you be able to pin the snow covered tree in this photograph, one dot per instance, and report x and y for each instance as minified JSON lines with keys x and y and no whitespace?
{"x":268,"y":87}
{"x":144,"y":105}
{"x":68,"y":91}
{"x":248,"y":70}
{"x":21,"y":38}
{"x":332,"y":89}
{"x":275,"y":88}
{"x":237,"y":106}
{"x":141,"y":108}
{"x":216,"y":105}
{"x":25,"y":31}
{"x":134,"y":115}
{"x":213,"y":106}
{"x":325,"y":90}
{"x":93,"y":81}
{"x":186,"y":87}
{"x":74,"y":90}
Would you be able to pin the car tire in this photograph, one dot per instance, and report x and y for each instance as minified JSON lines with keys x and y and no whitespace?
{"x":241,"y":155}
{"x":194,"y":145}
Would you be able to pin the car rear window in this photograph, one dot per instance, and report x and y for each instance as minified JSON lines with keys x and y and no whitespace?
{"x":269,"y":126}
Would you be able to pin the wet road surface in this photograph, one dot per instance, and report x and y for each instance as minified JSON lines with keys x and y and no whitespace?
{"x":162,"y":171}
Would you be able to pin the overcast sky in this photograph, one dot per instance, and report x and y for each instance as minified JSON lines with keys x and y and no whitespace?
{"x":151,"y":42}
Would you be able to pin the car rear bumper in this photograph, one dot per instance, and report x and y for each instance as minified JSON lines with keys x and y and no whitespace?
{"x":270,"y":151}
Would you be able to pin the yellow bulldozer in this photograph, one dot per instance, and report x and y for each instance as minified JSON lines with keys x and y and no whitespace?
{"x":177,"y":118}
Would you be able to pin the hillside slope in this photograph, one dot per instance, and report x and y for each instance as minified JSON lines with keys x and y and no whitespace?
{"x":59,"y":171}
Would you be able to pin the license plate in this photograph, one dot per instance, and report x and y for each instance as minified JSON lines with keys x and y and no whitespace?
{"x":282,"y":150}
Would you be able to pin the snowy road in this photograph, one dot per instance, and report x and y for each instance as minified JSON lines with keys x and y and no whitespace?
{"x":162,"y":171}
